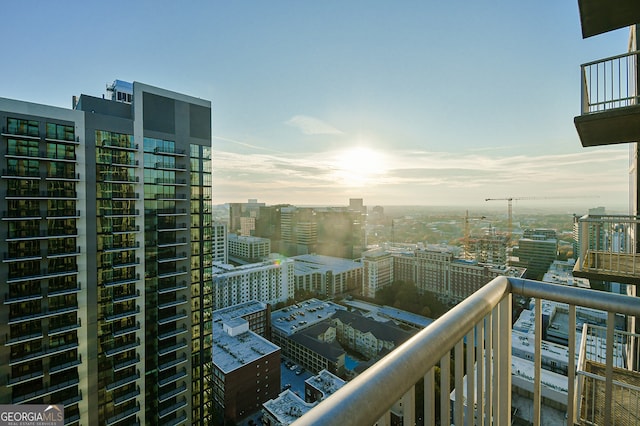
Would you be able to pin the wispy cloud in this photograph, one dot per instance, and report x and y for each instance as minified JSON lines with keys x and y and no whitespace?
{"x":421,"y":177}
{"x":312,"y":126}
{"x":244,"y":144}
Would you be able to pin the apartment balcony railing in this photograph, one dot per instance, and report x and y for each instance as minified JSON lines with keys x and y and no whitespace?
{"x":610,"y":83}
{"x":172,"y":378}
{"x":171,"y":333}
{"x":162,"y":289}
{"x":607,"y":248}
{"x":173,"y":362}
{"x":124,"y":414}
{"x":164,"y":411}
{"x":171,"y":212}
{"x":169,"y":151}
{"x":124,"y":145}
{"x":117,"y":366}
{"x":593,"y":370}
{"x":121,"y":381}
{"x":171,"y":393}
{"x":482,"y":322}
{"x":610,"y":108}
{"x":164,"y":349}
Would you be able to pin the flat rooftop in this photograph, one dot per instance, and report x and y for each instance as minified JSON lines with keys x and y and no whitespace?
{"x":385,"y":313}
{"x":326,"y":383}
{"x":301,"y":315}
{"x":309,"y":263}
{"x":287,"y":407}
{"x":233,"y":352}
{"x":239,"y":310}
{"x":551,"y":351}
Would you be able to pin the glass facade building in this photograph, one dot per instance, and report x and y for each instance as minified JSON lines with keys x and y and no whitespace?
{"x":106,"y":272}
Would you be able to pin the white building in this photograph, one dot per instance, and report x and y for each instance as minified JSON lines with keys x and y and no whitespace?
{"x":219,"y":242}
{"x":377,"y":271}
{"x":270,"y":281}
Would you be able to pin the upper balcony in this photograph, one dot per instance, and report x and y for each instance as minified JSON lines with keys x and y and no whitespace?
{"x":597,"y":16}
{"x":610,"y":109}
{"x":482,"y":325}
{"x":607,"y":249}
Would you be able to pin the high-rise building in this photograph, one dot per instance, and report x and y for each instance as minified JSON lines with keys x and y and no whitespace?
{"x":535,"y":251}
{"x":107,"y":231}
{"x":242,"y":217}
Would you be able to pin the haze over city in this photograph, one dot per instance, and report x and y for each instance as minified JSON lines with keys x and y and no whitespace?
{"x":399,"y":103}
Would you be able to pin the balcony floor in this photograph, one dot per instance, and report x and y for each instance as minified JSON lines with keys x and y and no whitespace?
{"x":606,"y":266}
{"x":625,"y":408}
{"x":614,"y":126}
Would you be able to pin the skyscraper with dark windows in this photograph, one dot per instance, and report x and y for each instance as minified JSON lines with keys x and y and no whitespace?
{"x":106,"y":272}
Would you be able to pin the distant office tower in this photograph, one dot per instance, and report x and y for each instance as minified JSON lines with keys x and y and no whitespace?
{"x":242,"y":217}
{"x":535,"y":251}
{"x":107,"y":230}
{"x":268,"y":225}
{"x":331,"y":231}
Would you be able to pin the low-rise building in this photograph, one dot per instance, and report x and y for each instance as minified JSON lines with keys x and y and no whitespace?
{"x":365,"y":335}
{"x":285,"y":409}
{"x":321,"y":386}
{"x":258,"y":314}
{"x":246,"y":369}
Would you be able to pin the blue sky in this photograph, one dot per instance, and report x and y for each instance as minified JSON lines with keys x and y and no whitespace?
{"x":315,"y":102}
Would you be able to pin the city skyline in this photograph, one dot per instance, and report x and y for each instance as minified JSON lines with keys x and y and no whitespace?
{"x":315,"y":103}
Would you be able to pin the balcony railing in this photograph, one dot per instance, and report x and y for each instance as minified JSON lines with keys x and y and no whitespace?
{"x":482,"y":322}
{"x":610,"y":83}
{"x":607,"y":248}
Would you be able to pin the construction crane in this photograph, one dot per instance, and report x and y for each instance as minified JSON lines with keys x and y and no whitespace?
{"x":510,"y":208}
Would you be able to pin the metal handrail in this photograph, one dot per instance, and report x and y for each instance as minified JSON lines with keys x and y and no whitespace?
{"x":610,"y":58}
{"x":361,"y":401}
{"x":367,"y":398}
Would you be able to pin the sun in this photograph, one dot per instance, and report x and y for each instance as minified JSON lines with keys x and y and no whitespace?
{"x":359,"y":166}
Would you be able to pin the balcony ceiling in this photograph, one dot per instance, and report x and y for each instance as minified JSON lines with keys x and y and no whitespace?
{"x":601,"y":16}
{"x":620,"y":125}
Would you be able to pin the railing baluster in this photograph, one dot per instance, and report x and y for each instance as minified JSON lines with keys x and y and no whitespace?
{"x":385,"y":420}
{"x":409,"y":407}
{"x":571,"y":372}
{"x":488,"y":392}
{"x":495,"y":355}
{"x":445,"y":371}
{"x":470,"y":358}
{"x":430,"y":398}
{"x":608,"y":388}
{"x":504,"y":367}
{"x":537,"y":362}
{"x":480,"y":351}
{"x":458,"y":412}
